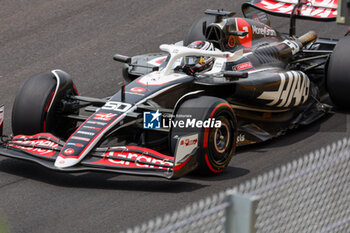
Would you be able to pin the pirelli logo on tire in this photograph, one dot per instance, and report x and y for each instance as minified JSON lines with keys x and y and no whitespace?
{"x":293,"y":90}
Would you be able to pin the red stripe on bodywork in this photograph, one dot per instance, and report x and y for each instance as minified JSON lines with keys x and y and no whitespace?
{"x":178,"y":167}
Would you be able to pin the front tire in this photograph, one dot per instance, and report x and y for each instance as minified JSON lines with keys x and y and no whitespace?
{"x":34,"y":107}
{"x":217,"y":145}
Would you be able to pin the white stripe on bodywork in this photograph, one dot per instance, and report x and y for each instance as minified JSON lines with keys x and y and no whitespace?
{"x":297,"y":88}
{"x":274,"y":95}
{"x":285,"y":92}
{"x":296,"y":81}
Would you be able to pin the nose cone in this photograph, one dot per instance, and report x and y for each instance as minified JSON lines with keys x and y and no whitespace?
{"x":65,"y":162}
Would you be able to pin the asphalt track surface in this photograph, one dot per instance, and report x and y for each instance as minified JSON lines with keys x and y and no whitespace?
{"x":81,"y":37}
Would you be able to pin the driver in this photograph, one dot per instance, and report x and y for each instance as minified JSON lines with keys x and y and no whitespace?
{"x":194,"y":64}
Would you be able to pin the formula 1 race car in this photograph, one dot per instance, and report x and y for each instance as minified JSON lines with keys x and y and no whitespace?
{"x":233,"y":81}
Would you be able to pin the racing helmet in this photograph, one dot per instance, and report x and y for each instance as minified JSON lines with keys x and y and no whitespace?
{"x":199,"y":63}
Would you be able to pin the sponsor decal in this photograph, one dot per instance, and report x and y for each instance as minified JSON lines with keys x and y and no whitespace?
{"x":175,"y":51}
{"x":96,"y":123}
{"x":265,"y":31}
{"x":293,"y":86}
{"x":103,"y":116}
{"x":91,"y":127}
{"x":231,"y":41}
{"x":185,"y":146}
{"x":32,"y":143}
{"x":69,"y":151}
{"x":188,"y":142}
{"x":293,"y":45}
{"x":116,"y":106}
{"x":218,"y":65}
{"x":151,"y":120}
{"x":139,"y":160}
{"x":240,"y":138}
{"x":85,"y":133}
{"x":80,"y":138}
{"x":244,"y":66}
{"x":243,"y":26}
{"x":138,"y":89}
{"x":75,"y":144}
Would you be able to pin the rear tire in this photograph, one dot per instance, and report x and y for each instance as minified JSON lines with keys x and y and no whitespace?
{"x":338,"y":74}
{"x":30,"y":112}
{"x":217,"y":145}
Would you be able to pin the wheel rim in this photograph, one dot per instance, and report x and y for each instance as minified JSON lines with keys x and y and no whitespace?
{"x":222,"y":138}
{"x":221,"y":141}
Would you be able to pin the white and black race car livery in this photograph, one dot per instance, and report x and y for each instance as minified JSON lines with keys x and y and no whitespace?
{"x":233,"y":81}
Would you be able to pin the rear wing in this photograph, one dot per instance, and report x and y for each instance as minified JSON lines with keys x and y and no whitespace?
{"x":320,"y":10}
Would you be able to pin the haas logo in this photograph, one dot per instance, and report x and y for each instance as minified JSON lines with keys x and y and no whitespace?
{"x":293,"y":90}
{"x":240,"y":138}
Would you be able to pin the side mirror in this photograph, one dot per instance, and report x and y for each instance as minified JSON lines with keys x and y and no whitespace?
{"x":237,"y":33}
{"x":235,"y":75}
{"x":122,"y":58}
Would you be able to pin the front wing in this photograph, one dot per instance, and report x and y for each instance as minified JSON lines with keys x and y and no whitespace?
{"x":44,"y":148}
